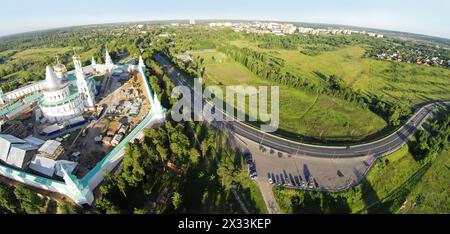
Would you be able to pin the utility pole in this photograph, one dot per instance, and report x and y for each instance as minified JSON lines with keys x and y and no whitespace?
{"x":262,"y":138}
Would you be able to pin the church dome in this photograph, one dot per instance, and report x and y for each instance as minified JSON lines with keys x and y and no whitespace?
{"x":60,"y":68}
{"x":60,"y":71}
{"x":51,"y":79}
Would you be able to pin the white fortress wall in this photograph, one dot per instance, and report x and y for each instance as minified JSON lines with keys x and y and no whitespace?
{"x":23,"y":91}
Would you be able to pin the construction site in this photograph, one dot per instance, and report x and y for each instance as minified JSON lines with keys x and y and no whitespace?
{"x":82,"y":141}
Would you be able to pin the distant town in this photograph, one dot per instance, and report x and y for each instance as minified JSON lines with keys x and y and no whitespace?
{"x":400,"y":53}
{"x":281,"y":29}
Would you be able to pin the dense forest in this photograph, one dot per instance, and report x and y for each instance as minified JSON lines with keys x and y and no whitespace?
{"x":178,"y":167}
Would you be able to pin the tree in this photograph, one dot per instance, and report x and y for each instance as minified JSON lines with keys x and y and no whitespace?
{"x":30,"y":202}
{"x":176,"y":200}
{"x":154,"y":83}
{"x":140,"y":211}
{"x":204,"y":146}
{"x":394,"y":118}
{"x":7,"y":198}
{"x":68,"y":209}
{"x":133,"y":169}
{"x":227,"y":172}
{"x":107,"y":206}
{"x":194,"y":155}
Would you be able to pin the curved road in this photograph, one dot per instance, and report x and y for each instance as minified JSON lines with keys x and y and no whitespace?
{"x":377,"y":148}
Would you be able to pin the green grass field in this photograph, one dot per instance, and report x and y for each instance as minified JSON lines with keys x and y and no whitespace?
{"x":399,"y":82}
{"x":384,"y":177}
{"x":32,"y":57}
{"x":301,"y":111}
{"x":432,"y":192}
{"x":39,"y":53}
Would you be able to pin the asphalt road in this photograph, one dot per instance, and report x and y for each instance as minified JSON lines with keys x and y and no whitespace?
{"x":377,"y":148}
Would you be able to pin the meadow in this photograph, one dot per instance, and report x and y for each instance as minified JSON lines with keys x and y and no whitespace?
{"x":39,"y":53}
{"x":302,"y":111}
{"x":409,"y":84}
{"x":432,"y":192}
{"x":19,"y":67}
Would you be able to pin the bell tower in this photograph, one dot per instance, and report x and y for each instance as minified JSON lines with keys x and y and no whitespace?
{"x":84,"y":87}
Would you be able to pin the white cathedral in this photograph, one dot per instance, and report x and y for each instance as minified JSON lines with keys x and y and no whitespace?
{"x":64,"y":95}
{"x":62,"y":99}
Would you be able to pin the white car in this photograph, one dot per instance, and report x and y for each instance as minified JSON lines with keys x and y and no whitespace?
{"x":303,"y":184}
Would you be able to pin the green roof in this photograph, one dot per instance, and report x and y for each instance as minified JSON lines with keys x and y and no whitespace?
{"x":28,"y":99}
{"x":33,"y":97}
{"x":73,"y":94}
{"x":9,"y":108}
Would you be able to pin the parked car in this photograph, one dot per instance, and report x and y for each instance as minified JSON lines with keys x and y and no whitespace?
{"x":248,"y":157}
{"x":252,"y":170}
{"x":287,"y":180}
{"x":312,"y":183}
{"x":278,"y":181}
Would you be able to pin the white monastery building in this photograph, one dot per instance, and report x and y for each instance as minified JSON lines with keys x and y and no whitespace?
{"x":63,"y":100}
{"x":64,"y":95}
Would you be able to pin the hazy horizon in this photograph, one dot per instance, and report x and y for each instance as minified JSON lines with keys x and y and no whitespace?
{"x":187,"y":21}
{"x":412,"y":16}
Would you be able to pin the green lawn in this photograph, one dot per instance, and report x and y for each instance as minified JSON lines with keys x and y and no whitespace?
{"x":39,"y":53}
{"x":301,"y":111}
{"x":384,"y":177}
{"x":87,"y":56}
{"x":432,"y":192}
{"x":252,"y":198}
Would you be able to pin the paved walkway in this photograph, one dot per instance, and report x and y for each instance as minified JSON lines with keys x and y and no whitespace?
{"x":263,"y":184}
{"x":236,"y":195}
{"x":269,"y":198}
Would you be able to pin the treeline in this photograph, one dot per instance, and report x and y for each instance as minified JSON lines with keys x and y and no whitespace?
{"x":392,"y":113}
{"x":307,"y":44}
{"x":434,"y":139}
{"x":294,"y":41}
{"x":84,"y":37}
{"x":266,"y":66}
{"x":21,"y":200}
{"x":159,"y":81}
{"x":177,"y":168}
{"x":151,"y":168}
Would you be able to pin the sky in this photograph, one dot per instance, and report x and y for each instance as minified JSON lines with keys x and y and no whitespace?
{"x":429,"y":17}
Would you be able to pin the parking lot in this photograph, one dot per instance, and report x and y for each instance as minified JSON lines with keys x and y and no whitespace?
{"x":304,"y":172}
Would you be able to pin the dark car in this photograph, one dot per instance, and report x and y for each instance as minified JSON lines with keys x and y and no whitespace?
{"x":252,"y":170}
{"x":248,"y":157}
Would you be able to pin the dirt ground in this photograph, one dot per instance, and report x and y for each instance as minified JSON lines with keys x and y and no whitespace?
{"x":92,"y":152}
